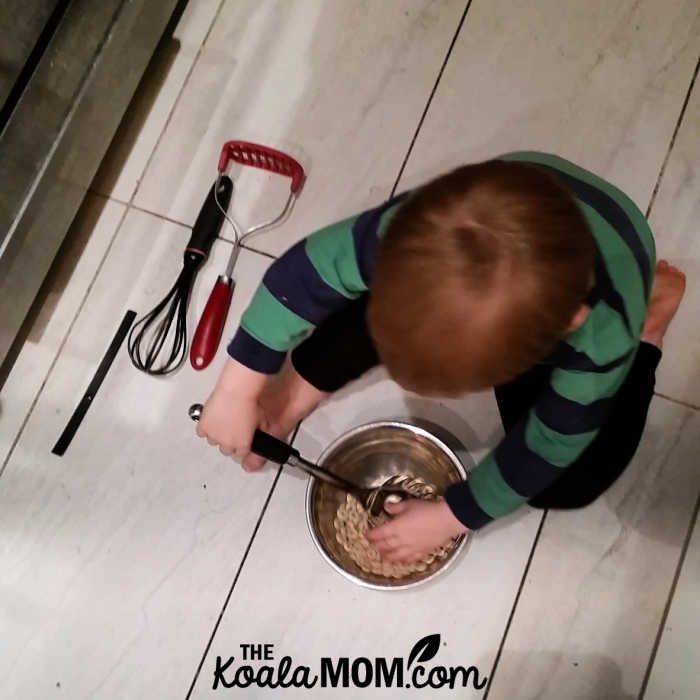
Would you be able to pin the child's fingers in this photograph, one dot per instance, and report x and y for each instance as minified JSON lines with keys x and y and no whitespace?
{"x":252,"y":462}
{"x":406,"y":554}
{"x":380,"y":532}
{"x":400,"y":554}
{"x":416,"y":556}
{"x":388,"y":544}
{"x":387,"y":552}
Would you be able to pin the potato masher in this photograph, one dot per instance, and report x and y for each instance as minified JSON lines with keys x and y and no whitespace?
{"x":278,"y":451}
{"x":211,"y":324}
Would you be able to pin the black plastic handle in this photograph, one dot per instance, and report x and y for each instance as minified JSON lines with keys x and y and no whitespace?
{"x":210,"y":217}
{"x":272,"y":449}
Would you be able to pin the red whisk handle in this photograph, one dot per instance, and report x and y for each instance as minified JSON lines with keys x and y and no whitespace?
{"x":211,"y":325}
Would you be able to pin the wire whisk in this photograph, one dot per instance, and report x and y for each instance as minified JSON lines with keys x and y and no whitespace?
{"x":157,"y":343}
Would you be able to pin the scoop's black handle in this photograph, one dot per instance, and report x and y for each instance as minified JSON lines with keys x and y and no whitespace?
{"x":208,"y":224}
{"x":264,"y":444}
{"x":271,"y":448}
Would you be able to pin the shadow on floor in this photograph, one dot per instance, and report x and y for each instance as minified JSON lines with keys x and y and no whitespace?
{"x":89,"y":213}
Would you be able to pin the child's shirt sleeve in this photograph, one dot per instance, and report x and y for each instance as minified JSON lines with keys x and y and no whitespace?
{"x":550,"y":437}
{"x":312,"y":280}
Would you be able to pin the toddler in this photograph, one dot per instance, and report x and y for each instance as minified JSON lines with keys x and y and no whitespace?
{"x":524,"y":273}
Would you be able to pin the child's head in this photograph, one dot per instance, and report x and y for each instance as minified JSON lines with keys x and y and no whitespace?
{"x":480,"y":273}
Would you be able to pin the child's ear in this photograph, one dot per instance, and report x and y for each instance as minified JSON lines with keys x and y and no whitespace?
{"x":579,"y":317}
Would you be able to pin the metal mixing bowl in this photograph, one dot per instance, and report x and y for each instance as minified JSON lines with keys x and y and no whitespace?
{"x":369,"y":455}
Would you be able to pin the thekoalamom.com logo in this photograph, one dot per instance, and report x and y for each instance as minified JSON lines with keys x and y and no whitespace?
{"x":342,"y":672}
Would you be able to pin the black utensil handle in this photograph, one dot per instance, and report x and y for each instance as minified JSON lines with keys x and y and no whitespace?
{"x":211,"y":217}
{"x":264,"y":444}
{"x":271,"y":448}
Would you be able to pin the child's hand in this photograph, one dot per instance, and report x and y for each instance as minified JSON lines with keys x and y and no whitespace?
{"x":417,"y":528}
{"x":229,"y":422}
{"x":232,"y":413}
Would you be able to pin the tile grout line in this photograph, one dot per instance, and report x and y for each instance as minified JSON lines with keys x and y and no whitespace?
{"x":154,"y":214}
{"x":669,"y":600}
{"x":259,"y":252}
{"x":127,"y":206}
{"x":430,"y":97}
{"x":143,"y":210}
{"x":160,"y":216}
{"x":515,"y":604}
{"x":677,"y":401}
{"x":238,"y":573}
{"x":672,"y":143}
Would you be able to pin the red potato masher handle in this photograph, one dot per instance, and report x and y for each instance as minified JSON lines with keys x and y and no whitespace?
{"x":258,"y":156}
{"x":211,"y":324}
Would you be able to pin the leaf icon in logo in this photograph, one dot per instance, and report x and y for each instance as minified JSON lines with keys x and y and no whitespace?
{"x":424,"y":649}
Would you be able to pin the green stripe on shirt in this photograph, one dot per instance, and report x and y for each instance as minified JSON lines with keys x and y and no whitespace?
{"x":494,"y":496}
{"x":587,"y":387}
{"x":272,"y":323}
{"x":603,"y":335}
{"x":554,"y":447}
{"x":493,"y":493}
{"x":628,"y":206}
{"x":332,"y":252}
{"x":621,"y":265}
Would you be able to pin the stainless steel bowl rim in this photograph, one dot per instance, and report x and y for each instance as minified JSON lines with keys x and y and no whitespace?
{"x":461,"y":543}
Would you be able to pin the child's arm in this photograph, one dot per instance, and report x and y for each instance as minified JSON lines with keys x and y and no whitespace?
{"x":312,"y":280}
{"x":532,"y":455}
{"x":549,"y":438}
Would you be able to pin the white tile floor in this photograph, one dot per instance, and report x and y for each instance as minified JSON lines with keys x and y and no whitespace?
{"x":128,"y":565}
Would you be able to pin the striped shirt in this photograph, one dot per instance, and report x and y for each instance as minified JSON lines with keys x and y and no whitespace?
{"x":322,"y":273}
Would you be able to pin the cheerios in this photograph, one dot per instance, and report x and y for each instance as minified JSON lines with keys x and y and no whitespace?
{"x":352,"y":521}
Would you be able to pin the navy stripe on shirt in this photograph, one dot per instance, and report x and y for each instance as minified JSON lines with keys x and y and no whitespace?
{"x":522,"y":469}
{"x":462,"y":503}
{"x":614,"y":214}
{"x":570,"y":417}
{"x":295,"y":282}
{"x":364,"y":234}
{"x":567,"y":357}
{"x":253,"y":354}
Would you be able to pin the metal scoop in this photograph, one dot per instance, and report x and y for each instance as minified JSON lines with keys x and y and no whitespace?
{"x":278,"y":451}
